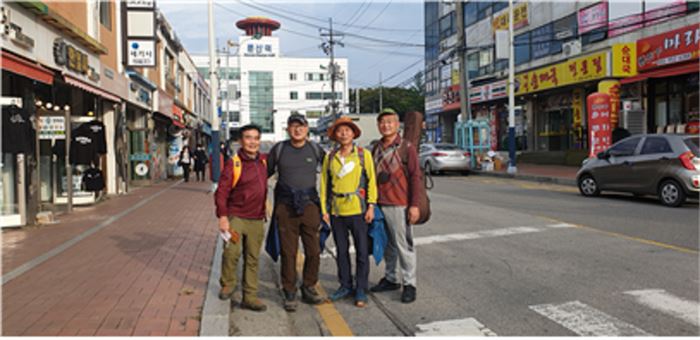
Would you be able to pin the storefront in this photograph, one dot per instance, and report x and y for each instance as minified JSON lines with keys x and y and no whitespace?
{"x":556,"y":95}
{"x":432,"y":127}
{"x":668,"y":70}
{"x":136,"y":147}
{"x":449,"y":114}
{"x":24,"y":82}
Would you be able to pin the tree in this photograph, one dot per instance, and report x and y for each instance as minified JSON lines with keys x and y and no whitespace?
{"x":398,"y":98}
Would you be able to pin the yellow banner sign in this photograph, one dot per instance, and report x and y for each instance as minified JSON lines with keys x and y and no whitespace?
{"x":624,"y":58}
{"x":520,"y":18}
{"x":594,"y":66}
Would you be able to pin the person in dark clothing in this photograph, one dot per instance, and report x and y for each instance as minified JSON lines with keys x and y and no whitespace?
{"x":297,"y":209}
{"x":185,"y":161}
{"x":200,"y":162}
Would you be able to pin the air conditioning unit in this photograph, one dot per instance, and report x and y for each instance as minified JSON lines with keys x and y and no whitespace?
{"x":571,"y":48}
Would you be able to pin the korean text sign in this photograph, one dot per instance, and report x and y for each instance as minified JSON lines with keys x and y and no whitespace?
{"x":672,"y":47}
{"x":594,"y":66}
{"x":599,"y":128}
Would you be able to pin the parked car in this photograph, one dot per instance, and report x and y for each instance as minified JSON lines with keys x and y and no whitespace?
{"x":656,"y":164}
{"x":436,"y":158}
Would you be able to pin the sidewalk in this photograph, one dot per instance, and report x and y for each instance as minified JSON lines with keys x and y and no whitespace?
{"x":138,"y":264}
{"x":557,"y":174}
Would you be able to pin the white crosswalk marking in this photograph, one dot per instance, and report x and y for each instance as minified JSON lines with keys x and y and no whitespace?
{"x":460,"y":327}
{"x":659,"y":299}
{"x":587,"y":321}
{"x":472,"y":235}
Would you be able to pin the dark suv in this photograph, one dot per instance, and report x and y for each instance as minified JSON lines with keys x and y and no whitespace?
{"x":663,"y":165}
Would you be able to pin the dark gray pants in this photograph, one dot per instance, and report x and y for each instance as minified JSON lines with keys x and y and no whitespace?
{"x":342,"y":227}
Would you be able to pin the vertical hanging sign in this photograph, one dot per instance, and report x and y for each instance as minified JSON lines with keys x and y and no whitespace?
{"x":139,"y":36}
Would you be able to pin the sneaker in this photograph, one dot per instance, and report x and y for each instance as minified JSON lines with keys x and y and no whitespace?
{"x":409,"y":294}
{"x":384,"y":285}
{"x":254,"y":305}
{"x":360,"y":298}
{"x":226,"y":293}
{"x":311,"y":296}
{"x":341,"y":293}
{"x":290,"y":301}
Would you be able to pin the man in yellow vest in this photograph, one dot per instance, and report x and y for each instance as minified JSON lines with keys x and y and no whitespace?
{"x":240,"y":207}
{"x":348,"y":195}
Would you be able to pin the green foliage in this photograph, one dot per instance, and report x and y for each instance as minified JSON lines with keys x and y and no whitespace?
{"x":398,"y":98}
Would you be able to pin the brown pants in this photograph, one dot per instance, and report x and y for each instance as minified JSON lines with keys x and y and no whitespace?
{"x":291,"y":227}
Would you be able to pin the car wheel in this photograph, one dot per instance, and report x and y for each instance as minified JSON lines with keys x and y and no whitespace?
{"x":671,"y":194}
{"x":588,"y":186}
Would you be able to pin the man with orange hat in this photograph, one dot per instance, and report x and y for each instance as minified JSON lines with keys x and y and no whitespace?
{"x":348,"y":196}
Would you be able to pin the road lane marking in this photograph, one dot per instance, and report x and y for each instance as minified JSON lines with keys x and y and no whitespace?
{"x":585,"y":320}
{"x":659,"y":299}
{"x":627,"y":237}
{"x":491,"y":233}
{"x":459,"y":327}
{"x":334,"y":321}
{"x":13,"y":274}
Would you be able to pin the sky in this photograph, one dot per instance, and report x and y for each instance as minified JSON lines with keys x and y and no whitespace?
{"x":383,"y":35}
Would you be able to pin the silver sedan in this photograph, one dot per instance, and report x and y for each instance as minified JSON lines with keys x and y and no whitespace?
{"x":436,"y":158}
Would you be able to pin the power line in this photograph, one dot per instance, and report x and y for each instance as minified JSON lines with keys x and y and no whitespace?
{"x":357,"y":36}
{"x":375,"y":18}
{"x":401,"y":71}
{"x":355,"y":14}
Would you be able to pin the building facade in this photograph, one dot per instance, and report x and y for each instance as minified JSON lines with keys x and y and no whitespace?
{"x":63,"y":69}
{"x":271,"y":86}
{"x":643,"y":53}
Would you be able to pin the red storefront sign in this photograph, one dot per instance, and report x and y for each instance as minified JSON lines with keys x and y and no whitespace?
{"x":450,"y":98}
{"x":599,"y":129}
{"x":668,"y":48}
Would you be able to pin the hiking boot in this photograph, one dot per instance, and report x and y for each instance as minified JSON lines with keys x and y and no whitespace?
{"x":384,"y":285}
{"x":311,"y":296}
{"x":254,"y":305}
{"x":226,"y":293}
{"x":409,"y":294}
{"x":341,"y":293}
{"x":360,"y":298}
{"x":290,"y":303}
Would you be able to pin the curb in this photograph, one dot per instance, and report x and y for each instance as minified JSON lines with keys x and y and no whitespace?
{"x":215,"y":313}
{"x":531,"y":178}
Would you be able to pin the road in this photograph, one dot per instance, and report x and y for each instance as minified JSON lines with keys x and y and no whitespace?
{"x":507,"y":257}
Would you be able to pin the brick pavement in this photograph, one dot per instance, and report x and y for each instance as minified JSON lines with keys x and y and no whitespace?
{"x":144,"y":274}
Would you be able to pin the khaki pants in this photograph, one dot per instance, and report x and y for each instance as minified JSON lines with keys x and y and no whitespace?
{"x":252,"y":234}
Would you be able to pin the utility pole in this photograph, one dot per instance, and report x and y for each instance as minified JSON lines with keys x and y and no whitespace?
{"x":329,"y":49}
{"x":464,"y":105}
{"x":511,"y":94}
{"x":381,"y":97}
{"x":357,"y":100}
{"x":214,"y":91}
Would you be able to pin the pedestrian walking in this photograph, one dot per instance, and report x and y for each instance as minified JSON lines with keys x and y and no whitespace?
{"x":348,"y":195}
{"x":185,"y":161}
{"x":200,"y":162}
{"x":398,"y":176}
{"x":297,"y":209}
{"x":240,"y":207}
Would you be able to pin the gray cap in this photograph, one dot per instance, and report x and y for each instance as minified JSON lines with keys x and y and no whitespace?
{"x":298,"y":118}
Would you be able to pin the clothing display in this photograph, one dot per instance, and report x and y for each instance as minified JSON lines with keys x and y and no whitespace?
{"x":93,"y":180}
{"x":17,"y":130}
{"x":98,"y":135}
{"x":82,"y":146}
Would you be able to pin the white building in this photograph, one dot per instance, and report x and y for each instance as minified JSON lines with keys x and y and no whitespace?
{"x":272,"y":86}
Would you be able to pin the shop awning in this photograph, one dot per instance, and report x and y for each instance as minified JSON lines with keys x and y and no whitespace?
{"x":693,"y":67}
{"x":26,"y":68}
{"x":89,"y":88}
